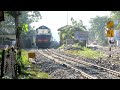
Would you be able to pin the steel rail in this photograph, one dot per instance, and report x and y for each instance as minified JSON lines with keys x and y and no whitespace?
{"x":61,"y":62}
{"x":86,"y":63}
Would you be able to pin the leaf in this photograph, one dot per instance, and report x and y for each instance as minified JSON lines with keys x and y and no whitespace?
{"x":25,"y":27}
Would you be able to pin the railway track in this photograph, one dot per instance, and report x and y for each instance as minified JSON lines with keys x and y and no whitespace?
{"x":89,"y":70}
{"x":114,"y":60}
{"x":115,"y":51}
{"x":112,"y":63}
{"x":63,"y":62}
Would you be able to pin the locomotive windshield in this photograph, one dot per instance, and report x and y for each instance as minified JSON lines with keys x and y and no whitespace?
{"x":43,"y":31}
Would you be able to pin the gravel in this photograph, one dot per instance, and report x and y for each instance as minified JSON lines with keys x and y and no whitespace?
{"x":111,"y":63}
{"x":56,"y":70}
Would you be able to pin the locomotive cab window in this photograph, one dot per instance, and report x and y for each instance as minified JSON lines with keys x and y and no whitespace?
{"x":43,"y":31}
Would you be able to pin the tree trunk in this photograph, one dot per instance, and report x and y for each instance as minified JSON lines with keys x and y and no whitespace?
{"x":18,"y":45}
{"x":17,"y":35}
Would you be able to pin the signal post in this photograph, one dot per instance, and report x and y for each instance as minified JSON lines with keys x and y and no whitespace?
{"x":110,"y":33}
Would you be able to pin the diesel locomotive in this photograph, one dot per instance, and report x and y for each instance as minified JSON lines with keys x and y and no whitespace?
{"x":43,"y":37}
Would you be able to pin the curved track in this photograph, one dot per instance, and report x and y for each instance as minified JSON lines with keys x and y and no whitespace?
{"x":102,"y":69}
{"x":88,"y":70}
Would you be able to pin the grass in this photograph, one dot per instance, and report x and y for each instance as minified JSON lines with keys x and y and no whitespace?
{"x":24,"y":55}
{"x":88,"y":53}
{"x":33,"y":72}
{"x":85,"y":52}
{"x":61,"y":47}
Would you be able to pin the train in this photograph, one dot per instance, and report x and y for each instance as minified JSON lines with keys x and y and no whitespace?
{"x":43,"y":37}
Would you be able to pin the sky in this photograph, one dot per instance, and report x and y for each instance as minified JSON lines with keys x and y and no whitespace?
{"x":57,"y":19}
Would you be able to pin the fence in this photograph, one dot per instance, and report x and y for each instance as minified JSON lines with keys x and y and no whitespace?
{"x":9,"y":65}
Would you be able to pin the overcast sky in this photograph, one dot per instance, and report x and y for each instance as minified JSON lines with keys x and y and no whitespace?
{"x":56,"y":19}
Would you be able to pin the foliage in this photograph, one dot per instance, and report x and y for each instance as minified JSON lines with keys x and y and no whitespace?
{"x":97,"y":30}
{"x":78,"y":25}
{"x":7,"y":26}
{"x":24,"y":60}
{"x":33,"y":72}
{"x":67,"y":32}
{"x":13,"y":13}
{"x":25,"y":18}
{"x":34,"y":75}
{"x":116,"y":17}
{"x":25,"y":27}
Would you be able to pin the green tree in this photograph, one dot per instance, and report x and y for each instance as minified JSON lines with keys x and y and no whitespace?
{"x":25,"y":19}
{"x":78,"y":25}
{"x":97,"y":30}
{"x":7,"y":26}
{"x":67,"y":32}
{"x":115,"y":15}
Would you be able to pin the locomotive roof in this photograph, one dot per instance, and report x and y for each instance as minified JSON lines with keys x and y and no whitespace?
{"x":43,"y":27}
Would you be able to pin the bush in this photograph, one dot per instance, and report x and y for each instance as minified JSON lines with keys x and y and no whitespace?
{"x":31,"y":72}
{"x":24,"y":58}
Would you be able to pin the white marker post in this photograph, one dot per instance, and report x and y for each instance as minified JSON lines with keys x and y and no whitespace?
{"x":110,"y":48}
